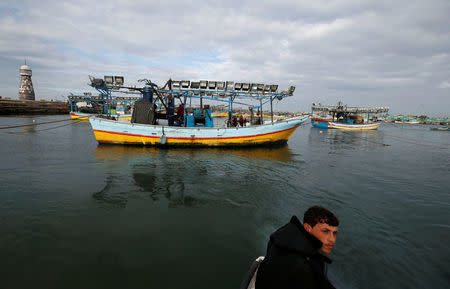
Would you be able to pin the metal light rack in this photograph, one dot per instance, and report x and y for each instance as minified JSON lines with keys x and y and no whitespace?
{"x":221,"y":91}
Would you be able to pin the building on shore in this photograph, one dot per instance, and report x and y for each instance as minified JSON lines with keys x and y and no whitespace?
{"x":26,"y":90}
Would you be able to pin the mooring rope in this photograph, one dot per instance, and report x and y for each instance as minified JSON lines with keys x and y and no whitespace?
{"x":411,"y":141}
{"x":365,"y":138}
{"x":398,"y":138}
{"x":45,"y":122}
{"x":72,"y":123}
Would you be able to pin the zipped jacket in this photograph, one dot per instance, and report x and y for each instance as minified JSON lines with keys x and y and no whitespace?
{"x":293,"y":260}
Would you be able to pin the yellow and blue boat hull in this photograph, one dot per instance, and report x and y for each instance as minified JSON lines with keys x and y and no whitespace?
{"x":123,"y":132}
{"x":323,"y":123}
{"x":85,"y":116}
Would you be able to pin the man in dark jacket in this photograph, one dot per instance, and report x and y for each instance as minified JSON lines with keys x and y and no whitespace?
{"x":294,"y":258}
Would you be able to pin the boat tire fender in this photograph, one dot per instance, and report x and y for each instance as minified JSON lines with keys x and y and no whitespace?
{"x":163,"y":139}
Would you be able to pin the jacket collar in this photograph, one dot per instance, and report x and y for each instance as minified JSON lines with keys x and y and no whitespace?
{"x":293,"y":236}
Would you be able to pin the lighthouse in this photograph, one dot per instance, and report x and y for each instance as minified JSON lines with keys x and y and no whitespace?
{"x":26,"y":90}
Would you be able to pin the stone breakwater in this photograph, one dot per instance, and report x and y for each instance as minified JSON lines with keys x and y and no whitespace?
{"x":19,"y":106}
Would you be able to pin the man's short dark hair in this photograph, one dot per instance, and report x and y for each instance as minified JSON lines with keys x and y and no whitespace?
{"x":318,"y":214}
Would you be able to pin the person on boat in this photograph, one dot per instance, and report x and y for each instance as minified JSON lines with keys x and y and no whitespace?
{"x":180,"y":113}
{"x":294,"y":258}
{"x":241,"y":121}
{"x":234,"y":121}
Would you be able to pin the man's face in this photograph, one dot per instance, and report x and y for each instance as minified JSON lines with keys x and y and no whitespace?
{"x":325,"y":233}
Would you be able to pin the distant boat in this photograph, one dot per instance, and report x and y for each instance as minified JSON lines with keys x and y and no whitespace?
{"x":348,"y":118}
{"x":322,"y":123}
{"x":220,"y":114}
{"x":441,"y":128}
{"x":407,"y":121}
{"x":85,"y":116}
{"x":82,"y":107}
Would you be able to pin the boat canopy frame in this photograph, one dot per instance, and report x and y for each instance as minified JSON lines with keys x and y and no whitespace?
{"x":168,"y":92}
{"x":345,"y":111}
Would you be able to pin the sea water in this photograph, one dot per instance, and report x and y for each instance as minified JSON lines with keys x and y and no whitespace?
{"x":75,"y":214}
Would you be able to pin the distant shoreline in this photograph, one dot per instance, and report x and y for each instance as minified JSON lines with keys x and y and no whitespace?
{"x":31,"y":107}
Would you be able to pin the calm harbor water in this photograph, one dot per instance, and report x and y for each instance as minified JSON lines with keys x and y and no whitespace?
{"x":74,"y":214}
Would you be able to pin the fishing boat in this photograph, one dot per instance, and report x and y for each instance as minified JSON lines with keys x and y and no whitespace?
{"x":82,"y":116}
{"x":407,"y":121}
{"x":441,"y":128}
{"x":84,"y":106}
{"x":194,"y":125}
{"x":344,"y":117}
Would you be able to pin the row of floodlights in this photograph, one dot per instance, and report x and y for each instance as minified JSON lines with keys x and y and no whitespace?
{"x":102,"y":98}
{"x":114,"y":80}
{"x":78,"y":97}
{"x":224,"y":85}
{"x":107,"y":80}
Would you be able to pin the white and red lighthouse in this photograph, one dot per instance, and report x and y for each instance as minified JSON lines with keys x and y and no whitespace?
{"x":26,"y":90}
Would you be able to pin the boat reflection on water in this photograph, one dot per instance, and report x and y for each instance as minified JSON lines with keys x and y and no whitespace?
{"x":187,"y":177}
{"x":366,"y":140}
{"x":118,"y":152}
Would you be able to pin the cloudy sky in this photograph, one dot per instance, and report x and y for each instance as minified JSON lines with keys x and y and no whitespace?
{"x":375,"y":53}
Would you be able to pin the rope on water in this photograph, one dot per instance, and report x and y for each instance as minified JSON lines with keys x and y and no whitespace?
{"x":365,"y":138}
{"x":50,"y":128}
{"x":398,"y":138}
{"x":410,"y":141}
{"x":73,"y":121}
{"x":45,"y":122}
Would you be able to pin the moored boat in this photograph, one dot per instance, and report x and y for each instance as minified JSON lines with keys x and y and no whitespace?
{"x":156,"y":122}
{"x":85,"y":116}
{"x":441,"y":128}
{"x":125,"y":132}
{"x":348,"y":118}
{"x":322,"y":123}
{"x":82,"y":107}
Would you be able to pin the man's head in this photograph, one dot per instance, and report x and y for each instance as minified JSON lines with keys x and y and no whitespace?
{"x":323,"y":225}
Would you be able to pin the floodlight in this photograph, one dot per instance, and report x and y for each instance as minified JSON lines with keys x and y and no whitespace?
{"x":267,"y":88}
{"x":176,"y":84}
{"x":196,"y":92}
{"x":246,"y":86}
{"x":109,"y":80}
{"x":118,"y":80}
{"x":230,"y":85}
{"x":273,"y":87}
{"x":260,"y":87}
{"x":185,"y":83}
{"x":254,"y":86}
{"x":291,"y":89}
{"x":96,"y":82}
{"x":211,"y":84}
{"x":203,"y":84}
{"x":238,"y":86}
{"x":195,"y":85}
{"x":221,"y":85}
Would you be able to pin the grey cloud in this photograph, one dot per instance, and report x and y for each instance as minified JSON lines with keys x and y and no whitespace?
{"x":364,"y":52}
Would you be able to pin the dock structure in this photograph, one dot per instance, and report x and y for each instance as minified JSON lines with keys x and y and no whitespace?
{"x":23,"y":106}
